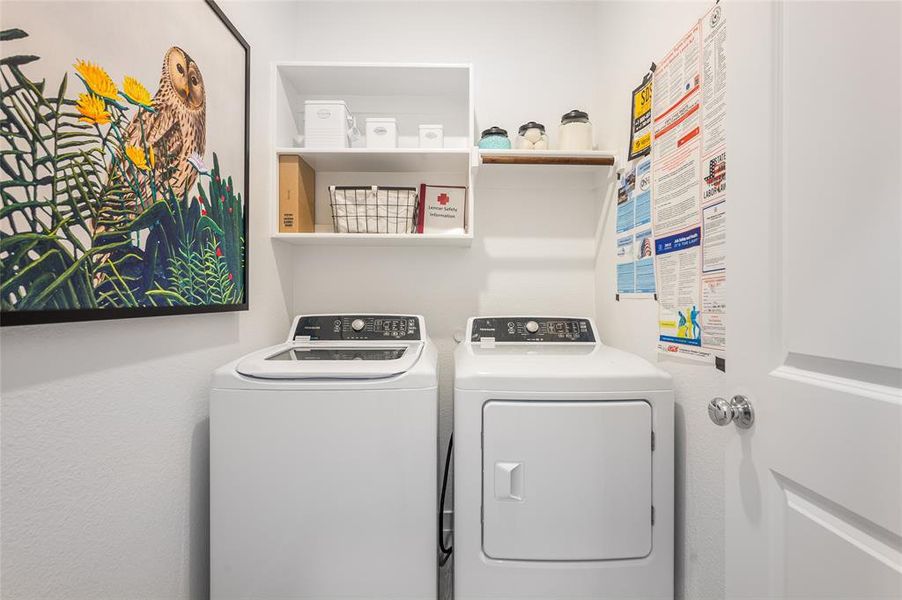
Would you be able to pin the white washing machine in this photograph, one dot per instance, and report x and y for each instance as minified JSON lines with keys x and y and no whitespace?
{"x":323,"y":463}
{"x":563,"y":465}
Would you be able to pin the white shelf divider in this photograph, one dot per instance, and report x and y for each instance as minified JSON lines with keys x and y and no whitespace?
{"x":375,"y":239}
{"x":378,"y":160}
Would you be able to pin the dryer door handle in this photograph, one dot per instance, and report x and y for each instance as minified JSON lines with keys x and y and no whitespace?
{"x":509,"y":481}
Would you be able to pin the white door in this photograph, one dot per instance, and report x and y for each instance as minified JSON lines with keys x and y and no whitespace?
{"x":814,"y":488}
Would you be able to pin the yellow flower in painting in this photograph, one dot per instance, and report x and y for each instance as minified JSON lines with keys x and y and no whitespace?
{"x":92,"y":109}
{"x":96,"y":79}
{"x":138,"y":158}
{"x":135,"y":92}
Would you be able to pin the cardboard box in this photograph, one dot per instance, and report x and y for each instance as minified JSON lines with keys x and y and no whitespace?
{"x":297,"y":192}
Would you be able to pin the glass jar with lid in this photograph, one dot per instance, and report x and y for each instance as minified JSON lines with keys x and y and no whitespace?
{"x":531,"y":136}
{"x":575,"y":132}
{"x":495,"y":138}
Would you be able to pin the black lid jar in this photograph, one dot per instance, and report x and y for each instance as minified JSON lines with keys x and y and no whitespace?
{"x":575,"y":116}
{"x":495,"y":138}
{"x":531,"y":136}
{"x":575,"y":131}
{"x":531,"y":125}
{"x":494,"y":130}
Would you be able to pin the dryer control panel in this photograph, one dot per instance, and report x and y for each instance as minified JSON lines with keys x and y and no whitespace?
{"x":373,"y":328}
{"x":532,"y":329}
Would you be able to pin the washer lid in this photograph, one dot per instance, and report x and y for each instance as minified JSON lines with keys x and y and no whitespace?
{"x":332,"y":360}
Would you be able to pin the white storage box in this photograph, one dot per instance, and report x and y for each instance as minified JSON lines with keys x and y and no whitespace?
{"x":382,"y":132}
{"x":327,"y":124}
{"x":375,"y":209}
{"x":432,"y":136}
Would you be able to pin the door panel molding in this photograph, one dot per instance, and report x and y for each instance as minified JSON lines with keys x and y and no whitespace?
{"x":858,"y":387}
{"x":867,"y":536}
{"x":878,"y":375}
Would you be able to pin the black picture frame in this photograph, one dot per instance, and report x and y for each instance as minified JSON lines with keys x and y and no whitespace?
{"x":35,"y":317}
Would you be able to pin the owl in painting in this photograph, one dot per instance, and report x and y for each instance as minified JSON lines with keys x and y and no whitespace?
{"x":177,"y":127}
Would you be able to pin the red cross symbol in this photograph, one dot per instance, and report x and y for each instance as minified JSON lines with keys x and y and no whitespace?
{"x":443,"y":199}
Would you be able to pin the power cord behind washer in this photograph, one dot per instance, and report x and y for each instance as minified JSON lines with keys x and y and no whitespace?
{"x":446,"y":552}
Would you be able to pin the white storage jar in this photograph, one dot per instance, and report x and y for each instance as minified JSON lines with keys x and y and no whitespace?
{"x":531,"y":136}
{"x":575,"y":132}
{"x":381,"y":132}
{"x":327,"y":124}
{"x":432,"y":136}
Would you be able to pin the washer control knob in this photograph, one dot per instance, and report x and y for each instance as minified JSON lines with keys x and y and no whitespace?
{"x":358,"y":324}
{"x":532,"y":326}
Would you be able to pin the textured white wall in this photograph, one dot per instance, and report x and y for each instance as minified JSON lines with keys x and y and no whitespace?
{"x":104,"y":425}
{"x":634,"y":34}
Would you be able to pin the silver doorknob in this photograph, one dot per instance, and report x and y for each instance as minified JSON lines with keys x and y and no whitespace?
{"x":736,"y":410}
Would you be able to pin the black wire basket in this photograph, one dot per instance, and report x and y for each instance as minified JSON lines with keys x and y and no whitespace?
{"x":373,"y":209}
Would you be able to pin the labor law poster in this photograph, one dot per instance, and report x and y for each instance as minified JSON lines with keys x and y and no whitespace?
{"x":689,"y":191}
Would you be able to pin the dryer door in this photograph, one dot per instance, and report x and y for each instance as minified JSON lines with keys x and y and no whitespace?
{"x":566,"y":480}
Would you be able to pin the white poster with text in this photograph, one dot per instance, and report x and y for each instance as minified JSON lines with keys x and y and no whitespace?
{"x":689,"y":184}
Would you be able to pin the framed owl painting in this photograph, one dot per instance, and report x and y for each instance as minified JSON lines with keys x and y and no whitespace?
{"x":124,"y":160}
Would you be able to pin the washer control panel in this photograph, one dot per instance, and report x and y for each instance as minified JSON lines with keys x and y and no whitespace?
{"x":532,"y":329}
{"x":373,"y":328}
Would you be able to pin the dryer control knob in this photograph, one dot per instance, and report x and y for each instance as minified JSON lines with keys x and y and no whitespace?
{"x":532,"y":326}
{"x":358,"y":324}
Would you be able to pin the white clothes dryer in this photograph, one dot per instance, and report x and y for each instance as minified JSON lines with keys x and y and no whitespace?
{"x":323,"y":463}
{"x":563,"y":465}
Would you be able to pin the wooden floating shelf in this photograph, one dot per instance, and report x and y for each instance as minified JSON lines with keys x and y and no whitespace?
{"x":589,"y":158}
{"x":376,"y":239}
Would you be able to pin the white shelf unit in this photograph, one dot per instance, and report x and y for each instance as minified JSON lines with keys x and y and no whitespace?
{"x":414,"y":94}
